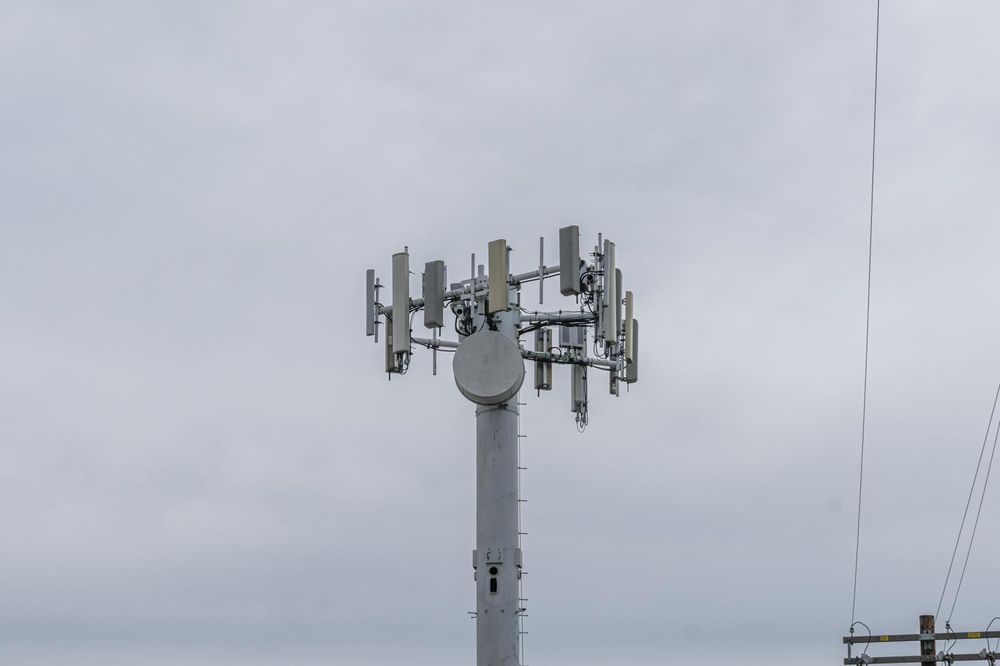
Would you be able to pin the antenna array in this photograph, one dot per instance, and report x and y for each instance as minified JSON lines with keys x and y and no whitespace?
{"x":603,"y":310}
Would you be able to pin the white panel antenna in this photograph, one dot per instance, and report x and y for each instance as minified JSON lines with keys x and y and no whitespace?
{"x":401,"y":307}
{"x":632,"y":367}
{"x":497,"y":291}
{"x":543,"y":369}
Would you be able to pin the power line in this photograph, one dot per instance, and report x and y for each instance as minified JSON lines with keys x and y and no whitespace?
{"x":868,"y":317}
{"x":982,"y":496}
{"x":968,"y":502}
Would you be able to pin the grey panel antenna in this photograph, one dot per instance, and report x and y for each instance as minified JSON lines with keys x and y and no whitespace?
{"x":499,"y":272}
{"x":543,"y":369}
{"x":618,"y":304}
{"x":569,"y":260}
{"x":435,"y":278}
{"x":608,"y":313}
{"x":370,"y":302}
{"x":541,"y":269}
{"x":632,"y":367}
{"x":578,"y":389}
{"x":629,"y":324}
{"x":390,"y":358}
{"x":401,"y":303}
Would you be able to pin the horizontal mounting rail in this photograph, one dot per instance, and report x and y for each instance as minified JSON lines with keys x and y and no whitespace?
{"x":911,"y":638}
{"x":533,"y":275}
{"x":434,"y":344}
{"x":556,"y":358}
{"x":450,"y":295}
{"x":929,"y":659}
{"x":558,"y":317}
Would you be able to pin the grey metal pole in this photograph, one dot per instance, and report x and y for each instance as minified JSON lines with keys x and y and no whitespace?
{"x":498,"y":557}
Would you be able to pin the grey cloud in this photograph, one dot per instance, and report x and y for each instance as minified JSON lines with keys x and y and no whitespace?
{"x":201,"y":462}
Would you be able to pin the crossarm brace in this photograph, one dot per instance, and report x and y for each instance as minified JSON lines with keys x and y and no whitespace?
{"x":435,"y":344}
{"x":572,"y":360}
{"x":991,"y":657}
{"x":532,"y":275}
{"x":559,"y":317}
{"x":912,"y":638}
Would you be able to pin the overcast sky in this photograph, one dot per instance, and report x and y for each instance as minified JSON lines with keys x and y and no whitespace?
{"x":201,"y":462}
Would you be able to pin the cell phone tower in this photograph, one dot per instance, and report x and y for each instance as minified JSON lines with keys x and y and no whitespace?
{"x":488,"y":365}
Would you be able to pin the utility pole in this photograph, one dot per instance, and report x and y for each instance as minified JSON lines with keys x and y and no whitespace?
{"x":489,"y":370}
{"x":927,"y":644}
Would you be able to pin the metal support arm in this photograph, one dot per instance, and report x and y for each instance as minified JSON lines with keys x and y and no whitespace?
{"x":572,"y":360}
{"x":559,"y":317}
{"x":912,"y":638}
{"x":435,"y":344}
{"x":521,"y":278}
{"x":991,"y":657}
{"x":449,"y":296}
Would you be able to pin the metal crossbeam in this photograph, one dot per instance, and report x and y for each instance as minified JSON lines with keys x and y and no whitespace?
{"x":911,"y":638}
{"x":927,"y":638}
{"x":918,"y":659}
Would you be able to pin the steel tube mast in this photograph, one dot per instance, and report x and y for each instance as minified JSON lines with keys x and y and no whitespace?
{"x":489,"y":370}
